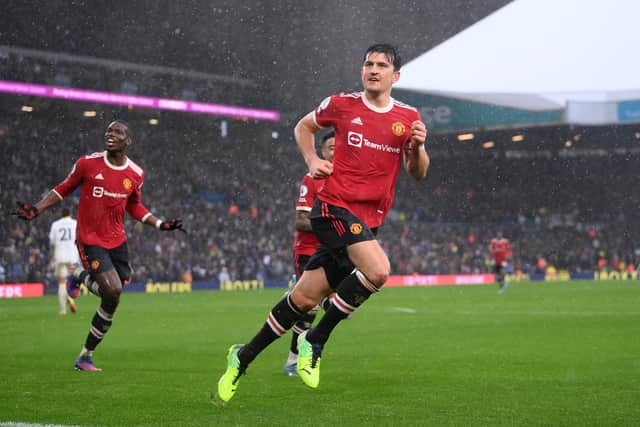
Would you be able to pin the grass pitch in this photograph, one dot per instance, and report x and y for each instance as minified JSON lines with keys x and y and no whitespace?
{"x":552,"y":354}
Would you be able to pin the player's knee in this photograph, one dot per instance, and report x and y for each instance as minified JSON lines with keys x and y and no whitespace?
{"x":302,"y":300}
{"x":378,"y":275}
{"x":378,"y":278}
{"x":111,"y":292}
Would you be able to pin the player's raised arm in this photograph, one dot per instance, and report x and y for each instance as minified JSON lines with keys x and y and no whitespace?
{"x":416,"y":159}
{"x":28,"y":212}
{"x":304,"y":134}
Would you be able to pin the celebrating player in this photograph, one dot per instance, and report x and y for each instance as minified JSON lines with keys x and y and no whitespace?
{"x":500,"y":249}
{"x":110,"y":183}
{"x":305,"y":245}
{"x":375,"y":135}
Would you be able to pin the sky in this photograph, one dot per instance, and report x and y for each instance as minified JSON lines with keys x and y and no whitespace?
{"x":546,"y":52}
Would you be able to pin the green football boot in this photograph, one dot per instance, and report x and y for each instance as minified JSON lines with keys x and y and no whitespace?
{"x":308,"y":366}
{"x":228,"y":382}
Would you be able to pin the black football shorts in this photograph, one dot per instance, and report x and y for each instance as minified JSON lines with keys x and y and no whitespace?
{"x":97,"y":259}
{"x":336,"y":229}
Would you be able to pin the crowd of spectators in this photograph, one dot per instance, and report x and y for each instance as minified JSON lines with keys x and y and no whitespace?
{"x":237,"y":194}
{"x":125,"y":77}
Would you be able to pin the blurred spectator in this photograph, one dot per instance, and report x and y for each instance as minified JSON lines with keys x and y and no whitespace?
{"x":235,"y":193}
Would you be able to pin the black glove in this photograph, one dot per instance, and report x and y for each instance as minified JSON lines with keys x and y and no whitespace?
{"x":172,"y":224}
{"x":26,"y":211}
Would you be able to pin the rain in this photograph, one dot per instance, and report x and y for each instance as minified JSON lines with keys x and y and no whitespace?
{"x":210,"y":93}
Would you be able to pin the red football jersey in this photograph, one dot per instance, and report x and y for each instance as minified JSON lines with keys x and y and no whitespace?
{"x":106,"y":192}
{"x":306,"y":242}
{"x":368,"y":154}
{"x":500,"y":249}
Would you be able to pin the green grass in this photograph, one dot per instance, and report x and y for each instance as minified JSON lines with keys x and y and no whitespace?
{"x":553,"y":354}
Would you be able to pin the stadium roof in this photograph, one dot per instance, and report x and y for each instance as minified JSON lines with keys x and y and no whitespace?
{"x":537,"y":55}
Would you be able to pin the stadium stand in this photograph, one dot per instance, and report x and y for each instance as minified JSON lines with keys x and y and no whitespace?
{"x":565,"y":197}
{"x":569,"y":209}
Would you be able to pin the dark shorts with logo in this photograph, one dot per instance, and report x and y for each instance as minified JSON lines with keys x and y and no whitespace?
{"x":96,"y":259}
{"x":336,"y":228}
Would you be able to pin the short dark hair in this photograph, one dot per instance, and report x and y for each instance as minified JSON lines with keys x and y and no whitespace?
{"x":389,"y":51}
{"x":126,"y":125}
{"x":66,"y":212}
{"x":328,"y":136}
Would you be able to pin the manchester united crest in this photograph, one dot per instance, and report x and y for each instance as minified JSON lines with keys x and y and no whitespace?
{"x":398,"y":128}
{"x":355,"y":228}
{"x":95,"y":264}
{"x":127,"y":183}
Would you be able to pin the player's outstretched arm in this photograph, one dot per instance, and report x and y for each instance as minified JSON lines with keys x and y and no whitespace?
{"x":25,"y":211}
{"x":28,"y":212}
{"x":168,"y":225}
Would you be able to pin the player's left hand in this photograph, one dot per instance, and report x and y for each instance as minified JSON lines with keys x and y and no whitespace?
{"x":26,"y":211}
{"x":172,"y":224}
{"x":418,"y":134}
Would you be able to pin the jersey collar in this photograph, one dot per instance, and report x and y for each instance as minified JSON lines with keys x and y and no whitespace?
{"x":112,"y":166}
{"x":372,"y":107}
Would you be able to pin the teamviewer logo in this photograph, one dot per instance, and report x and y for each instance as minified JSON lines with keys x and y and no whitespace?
{"x":355,"y":139}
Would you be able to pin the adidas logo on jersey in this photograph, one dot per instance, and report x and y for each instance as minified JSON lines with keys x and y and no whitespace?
{"x":99,"y":176}
{"x":357,"y":121}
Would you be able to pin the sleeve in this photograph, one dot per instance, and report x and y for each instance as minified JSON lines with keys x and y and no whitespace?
{"x":135,"y":208}
{"x":307,"y":194}
{"x":72,"y":181}
{"x":325,"y":115}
